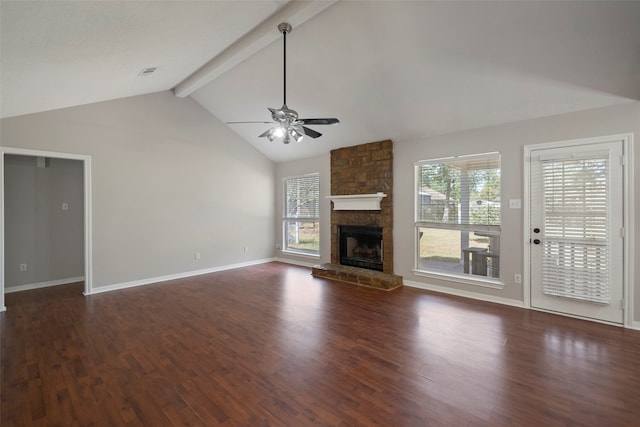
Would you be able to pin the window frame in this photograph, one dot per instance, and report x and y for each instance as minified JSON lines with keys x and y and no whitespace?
{"x":468,"y":278}
{"x":286,"y":219}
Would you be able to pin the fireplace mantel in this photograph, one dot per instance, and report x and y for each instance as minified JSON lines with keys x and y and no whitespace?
{"x":357,"y":202}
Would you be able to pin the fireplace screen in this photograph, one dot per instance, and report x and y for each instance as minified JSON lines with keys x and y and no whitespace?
{"x":361,"y":247}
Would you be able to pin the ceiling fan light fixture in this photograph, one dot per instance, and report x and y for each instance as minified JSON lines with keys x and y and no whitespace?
{"x":270,"y":134}
{"x":288,"y":125}
{"x":278,"y":132}
{"x":295,"y":134}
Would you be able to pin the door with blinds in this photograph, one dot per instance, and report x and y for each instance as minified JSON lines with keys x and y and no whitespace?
{"x":576,"y":220}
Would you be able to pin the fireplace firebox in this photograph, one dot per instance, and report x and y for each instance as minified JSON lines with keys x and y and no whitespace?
{"x":361,"y":246}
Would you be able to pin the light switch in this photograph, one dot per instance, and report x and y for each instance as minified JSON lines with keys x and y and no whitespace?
{"x":515,"y":204}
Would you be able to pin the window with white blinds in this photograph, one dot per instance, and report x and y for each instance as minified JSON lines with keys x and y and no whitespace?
{"x":576,"y":257}
{"x":301,"y":220}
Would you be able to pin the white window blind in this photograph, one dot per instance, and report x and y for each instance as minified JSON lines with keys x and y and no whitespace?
{"x":576,"y":255}
{"x":302,"y":197}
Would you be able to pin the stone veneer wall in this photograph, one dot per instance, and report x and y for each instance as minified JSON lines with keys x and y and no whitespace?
{"x":364,"y":169}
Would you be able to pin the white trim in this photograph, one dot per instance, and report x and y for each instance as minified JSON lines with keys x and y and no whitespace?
{"x":357,"y":202}
{"x":295,"y":262}
{"x":467,"y":280}
{"x":467,"y":157}
{"x":634,"y":325}
{"x":88,"y":227}
{"x":526,"y":226}
{"x":629,"y":226}
{"x":2,"y":192}
{"x":40,"y":285}
{"x":299,"y":253}
{"x":88,"y":260}
{"x":628,"y":221}
{"x":465,"y":294}
{"x":590,"y":319}
{"x":152,"y":280}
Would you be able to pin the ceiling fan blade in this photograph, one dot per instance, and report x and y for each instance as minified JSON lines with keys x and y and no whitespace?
{"x":237,"y":123}
{"x":310,"y":132}
{"x":319,"y":121}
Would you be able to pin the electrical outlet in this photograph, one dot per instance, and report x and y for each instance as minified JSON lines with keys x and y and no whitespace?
{"x":196,"y":255}
{"x":23,"y":267}
{"x":517,"y":278}
{"x":246,"y":249}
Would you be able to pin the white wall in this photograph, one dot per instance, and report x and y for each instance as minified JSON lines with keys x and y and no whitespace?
{"x":168,"y":179}
{"x":321,"y":165}
{"x":510,"y":140}
{"x":38,"y":232}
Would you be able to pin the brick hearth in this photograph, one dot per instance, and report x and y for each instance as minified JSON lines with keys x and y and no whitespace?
{"x":363,"y":169}
{"x":358,"y":276}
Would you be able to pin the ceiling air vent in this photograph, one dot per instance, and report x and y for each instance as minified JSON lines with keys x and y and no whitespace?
{"x":146,"y":72}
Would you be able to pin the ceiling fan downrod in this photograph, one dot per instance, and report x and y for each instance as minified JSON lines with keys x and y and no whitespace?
{"x":284,"y":28}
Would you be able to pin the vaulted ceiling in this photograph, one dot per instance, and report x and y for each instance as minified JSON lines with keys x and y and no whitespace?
{"x":403,"y":70}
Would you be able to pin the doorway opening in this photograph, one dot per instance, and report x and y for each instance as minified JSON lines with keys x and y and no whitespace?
{"x":55,"y":229}
{"x":577,"y":216}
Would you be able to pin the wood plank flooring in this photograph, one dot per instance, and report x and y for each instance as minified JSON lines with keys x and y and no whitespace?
{"x":269,"y":345}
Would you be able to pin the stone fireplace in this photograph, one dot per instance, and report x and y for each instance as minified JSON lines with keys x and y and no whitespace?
{"x":362,"y":238}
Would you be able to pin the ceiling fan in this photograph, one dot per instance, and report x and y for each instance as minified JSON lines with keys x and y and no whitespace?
{"x":288,"y":125}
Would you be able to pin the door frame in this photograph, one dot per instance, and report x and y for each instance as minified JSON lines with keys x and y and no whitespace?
{"x":88,"y":260}
{"x":628,"y":218}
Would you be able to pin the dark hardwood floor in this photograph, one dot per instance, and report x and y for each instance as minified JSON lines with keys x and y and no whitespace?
{"x":271,"y":345}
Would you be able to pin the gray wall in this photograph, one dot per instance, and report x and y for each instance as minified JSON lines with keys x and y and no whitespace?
{"x":509,"y":140}
{"x":168,"y":180}
{"x":38,"y":232}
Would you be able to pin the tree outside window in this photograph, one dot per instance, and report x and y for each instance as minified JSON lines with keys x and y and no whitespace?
{"x":458,"y":215}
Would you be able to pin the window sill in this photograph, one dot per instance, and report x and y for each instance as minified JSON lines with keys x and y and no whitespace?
{"x":485,"y":282}
{"x":296,"y":253}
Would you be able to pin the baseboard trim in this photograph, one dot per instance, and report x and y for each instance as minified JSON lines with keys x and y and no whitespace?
{"x":505,"y":301}
{"x":31,"y":286}
{"x":152,"y":280}
{"x":465,"y":294}
{"x":296,"y":262}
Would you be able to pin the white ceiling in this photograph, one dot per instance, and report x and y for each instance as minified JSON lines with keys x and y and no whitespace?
{"x":386,"y":69}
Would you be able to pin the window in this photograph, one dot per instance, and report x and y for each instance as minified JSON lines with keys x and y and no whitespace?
{"x":301,"y":222}
{"x":458,"y":215}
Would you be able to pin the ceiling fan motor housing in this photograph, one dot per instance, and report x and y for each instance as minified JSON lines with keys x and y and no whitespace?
{"x":284,"y":28}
